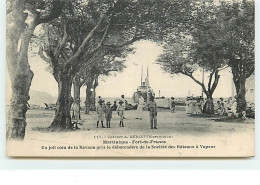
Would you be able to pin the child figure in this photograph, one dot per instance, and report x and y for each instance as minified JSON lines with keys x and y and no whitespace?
{"x":120,"y":110}
{"x":152,"y":107}
{"x":100,"y":112}
{"x":108,"y":114}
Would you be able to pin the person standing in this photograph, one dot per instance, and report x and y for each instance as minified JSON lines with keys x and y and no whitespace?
{"x":234,"y":107}
{"x":140,"y":108}
{"x":218,"y":108}
{"x":198,"y":106}
{"x":172,"y":105}
{"x":98,"y":99}
{"x":222,"y":107}
{"x":187,"y":103}
{"x":114,"y":106}
{"x":108,"y":114}
{"x":152,"y":107}
{"x":76,"y":110}
{"x":124,"y":105}
{"x":100,"y":112}
{"x":120,"y":110}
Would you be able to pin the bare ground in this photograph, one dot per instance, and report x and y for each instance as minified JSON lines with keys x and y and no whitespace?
{"x":233,"y":138}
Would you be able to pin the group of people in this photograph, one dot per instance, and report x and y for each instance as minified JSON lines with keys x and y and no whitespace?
{"x":104,"y":111}
{"x":194,"y":105}
{"x":228,"y":107}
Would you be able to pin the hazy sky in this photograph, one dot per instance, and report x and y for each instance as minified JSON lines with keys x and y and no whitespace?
{"x":127,"y":81}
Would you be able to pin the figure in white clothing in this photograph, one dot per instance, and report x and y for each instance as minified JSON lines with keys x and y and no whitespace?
{"x":123,"y":105}
{"x":140,"y":108}
{"x":76,"y":109}
{"x":188,"y":106}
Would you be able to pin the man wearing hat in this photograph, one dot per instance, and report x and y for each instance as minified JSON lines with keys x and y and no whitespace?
{"x":108,"y":114}
{"x":120,"y":110}
{"x":152,"y":107}
{"x":100,"y":112}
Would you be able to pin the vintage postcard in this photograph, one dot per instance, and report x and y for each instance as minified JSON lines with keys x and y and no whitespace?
{"x":130,"y":78}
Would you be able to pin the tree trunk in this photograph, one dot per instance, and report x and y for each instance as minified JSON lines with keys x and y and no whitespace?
{"x":88,"y":98}
{"x":239,"y":79}
{"x":62,"y":119}
{"x":241,"y":97}
{"x":19,"y":105}
{"x":18,"y":68}
{"x":76,"y":86}
{"x":93,"y":97}
{"x":93,"y":100}
{"x":209,"y":105}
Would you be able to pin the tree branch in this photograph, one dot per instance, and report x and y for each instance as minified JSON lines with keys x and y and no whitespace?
{"x":225,"y":67}
{"x":62,"y":42}
{"x":124,"y":44}
{"x":57,"y":6}
{"x":198,"y":82}
{"x":210,"y":79}
{"x":217,"y":76}
{"x":89,"y":55}
{"x":87,"y":39}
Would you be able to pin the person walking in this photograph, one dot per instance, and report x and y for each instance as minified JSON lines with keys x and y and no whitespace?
{"x":108,"y":114}
{"x":100,"y":112}
{"x":152,"y":108}
{"x":120,"y":111}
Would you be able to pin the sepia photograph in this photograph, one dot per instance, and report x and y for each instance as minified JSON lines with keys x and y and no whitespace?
{"x":130,"y":78}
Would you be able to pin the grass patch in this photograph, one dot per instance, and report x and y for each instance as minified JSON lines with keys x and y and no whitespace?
{"x":48,"y":129}
{"x":204,"y":115}
{"x":231,"y":120}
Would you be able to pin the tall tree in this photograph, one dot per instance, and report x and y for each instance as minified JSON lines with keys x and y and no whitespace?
{"x":199,"y":46}
{"x":240,"y":44}
{"x":23,"y":16}
{"x":77,"y":39}
{"x":88,"y":27}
